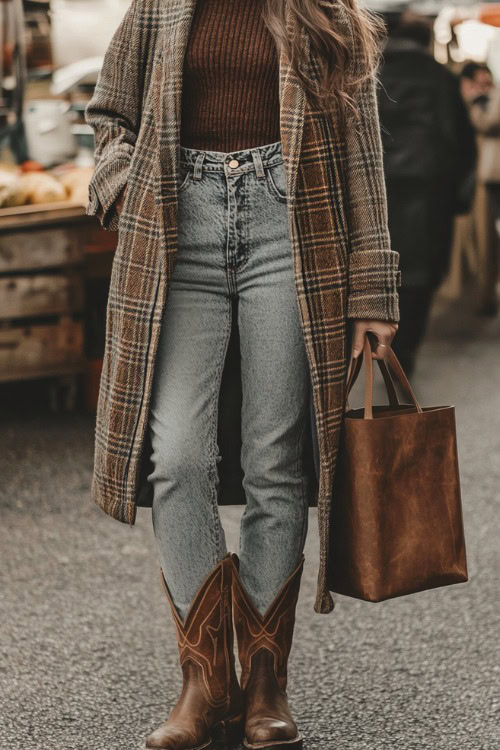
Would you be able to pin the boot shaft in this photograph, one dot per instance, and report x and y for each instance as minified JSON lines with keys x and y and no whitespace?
{"x":205,"y":638}
{"x":266,"y":637}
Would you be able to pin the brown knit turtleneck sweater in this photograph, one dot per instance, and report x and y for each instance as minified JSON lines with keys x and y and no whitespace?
{"x":230,"y":87}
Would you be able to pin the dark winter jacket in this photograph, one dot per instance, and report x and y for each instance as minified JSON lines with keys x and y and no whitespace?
{"x":429,"y":158}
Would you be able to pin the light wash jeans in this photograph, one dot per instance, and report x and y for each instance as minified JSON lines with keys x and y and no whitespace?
{"x":233,"y":241}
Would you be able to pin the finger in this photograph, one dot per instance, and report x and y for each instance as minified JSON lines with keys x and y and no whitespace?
{"x":358,"y":341}
{"x":383,"y":342}
{"x":380,"y":352}
{"x":390,"y":334}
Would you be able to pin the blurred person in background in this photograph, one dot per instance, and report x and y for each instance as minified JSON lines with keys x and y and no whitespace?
{"x":429,"y":158}
{"x":483,"y":99}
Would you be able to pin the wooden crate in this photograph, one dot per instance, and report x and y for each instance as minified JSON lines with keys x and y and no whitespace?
{"x":40,"y":295}
{"x":49,"y":254}
{"x":38,"y":248}
{"x":41,"y":350}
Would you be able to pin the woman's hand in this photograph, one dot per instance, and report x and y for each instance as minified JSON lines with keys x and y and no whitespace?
{"x":383,"y":330}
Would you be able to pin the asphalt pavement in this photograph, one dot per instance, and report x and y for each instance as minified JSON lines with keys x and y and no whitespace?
{"x":88,"y":657}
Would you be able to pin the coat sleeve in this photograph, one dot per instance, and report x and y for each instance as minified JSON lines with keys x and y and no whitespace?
{"x":373,"y":265}
{"x":114,"y":112}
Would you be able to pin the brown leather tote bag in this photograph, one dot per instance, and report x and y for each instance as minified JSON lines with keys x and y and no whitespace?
{"x":396,"y":524}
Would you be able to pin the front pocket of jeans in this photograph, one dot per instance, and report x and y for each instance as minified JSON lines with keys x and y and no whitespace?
{"x":185,"y":179}
{"x":276,"y":181}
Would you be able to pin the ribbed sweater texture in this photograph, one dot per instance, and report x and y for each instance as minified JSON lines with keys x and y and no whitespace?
{"x":230,"y":86}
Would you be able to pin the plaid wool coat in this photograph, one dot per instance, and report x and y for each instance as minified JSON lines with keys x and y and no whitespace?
{"x":344,"y":265}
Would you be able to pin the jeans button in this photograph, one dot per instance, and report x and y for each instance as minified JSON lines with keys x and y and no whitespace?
{"x":234,"y":163}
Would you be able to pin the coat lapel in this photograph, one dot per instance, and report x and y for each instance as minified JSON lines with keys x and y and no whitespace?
{"x":175,"y":33}
{"x":178,"y":20}
{"x":292,"y":109}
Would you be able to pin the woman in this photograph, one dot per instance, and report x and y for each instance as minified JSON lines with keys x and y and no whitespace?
{"x":238,"y":154}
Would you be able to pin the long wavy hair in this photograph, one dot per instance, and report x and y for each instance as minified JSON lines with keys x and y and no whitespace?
{"x":344,"y":60}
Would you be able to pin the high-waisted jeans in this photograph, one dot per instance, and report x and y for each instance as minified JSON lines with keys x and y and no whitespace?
{"x":233,"y":241}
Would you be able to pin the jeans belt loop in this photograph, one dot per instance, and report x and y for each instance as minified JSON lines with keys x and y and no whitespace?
{"x":197,"y":174}
{"x":257,"y":160}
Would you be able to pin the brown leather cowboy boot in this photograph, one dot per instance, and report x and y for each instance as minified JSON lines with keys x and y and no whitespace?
{"x":264,"y":644}
{"x":210,"y":706}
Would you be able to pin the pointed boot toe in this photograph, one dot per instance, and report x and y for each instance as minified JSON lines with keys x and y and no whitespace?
{"x":268,"y":731}
{"x":170,"y":737}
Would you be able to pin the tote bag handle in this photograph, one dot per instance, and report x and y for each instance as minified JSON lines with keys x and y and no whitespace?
{"x":355,"y":367}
